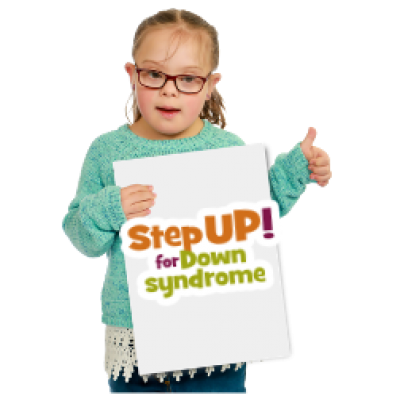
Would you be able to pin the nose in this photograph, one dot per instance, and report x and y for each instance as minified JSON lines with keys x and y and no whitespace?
{"x":170,"y":86}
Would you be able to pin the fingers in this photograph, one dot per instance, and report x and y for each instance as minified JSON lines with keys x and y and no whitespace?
{"x":323,"y":178}
{"x":321,"y":158}
{"x":323,"y":184}
{"x":139,"y":214}
{"x":320,"y":161}
{"x":319,"y":170}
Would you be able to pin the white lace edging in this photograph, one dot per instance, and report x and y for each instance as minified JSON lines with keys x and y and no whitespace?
{"x":121,"y":352}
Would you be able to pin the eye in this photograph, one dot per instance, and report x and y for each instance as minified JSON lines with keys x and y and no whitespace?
{"x":154,"y":74}
{"x":187,"y":78}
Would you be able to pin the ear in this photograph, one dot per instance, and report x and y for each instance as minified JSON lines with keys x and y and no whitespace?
{"x":212,"y":82}
{"x":129,"y":67}
{"x":216,"y":78}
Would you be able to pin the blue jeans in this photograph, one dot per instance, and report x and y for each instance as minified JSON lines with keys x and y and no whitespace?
{"x":223,"y":382}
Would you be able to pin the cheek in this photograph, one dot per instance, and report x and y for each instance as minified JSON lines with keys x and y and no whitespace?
{"x":193,"y":106}
{"x":145,"y":101}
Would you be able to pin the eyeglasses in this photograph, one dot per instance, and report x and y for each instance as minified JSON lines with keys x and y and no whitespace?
{"x":184,"y":83}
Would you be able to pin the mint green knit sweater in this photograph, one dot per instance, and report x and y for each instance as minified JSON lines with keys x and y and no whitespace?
{"x":95,"y":215}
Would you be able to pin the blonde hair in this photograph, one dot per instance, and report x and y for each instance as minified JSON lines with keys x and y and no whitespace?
{"x":186,"y":24}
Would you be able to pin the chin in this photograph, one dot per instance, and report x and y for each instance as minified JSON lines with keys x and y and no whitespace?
{"x":170,"y":132}
{"x":169,"y":127}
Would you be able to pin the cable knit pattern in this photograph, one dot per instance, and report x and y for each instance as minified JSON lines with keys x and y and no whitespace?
{"x":95,"y":216}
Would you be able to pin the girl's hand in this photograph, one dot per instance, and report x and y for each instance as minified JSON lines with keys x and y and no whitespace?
{"x":136,"y":200}
{"x":319,"y":161}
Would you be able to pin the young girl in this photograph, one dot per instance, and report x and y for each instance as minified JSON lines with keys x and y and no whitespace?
{"x":161,"y":81}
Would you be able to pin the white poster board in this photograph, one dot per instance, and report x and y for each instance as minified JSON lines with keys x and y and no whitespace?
{"x":184,"y":321}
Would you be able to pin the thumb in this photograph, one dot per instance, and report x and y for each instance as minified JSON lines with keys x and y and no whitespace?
{"x":306,"y":144}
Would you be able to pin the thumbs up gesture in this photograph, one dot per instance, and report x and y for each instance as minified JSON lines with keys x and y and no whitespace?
{"x":318,"y":160}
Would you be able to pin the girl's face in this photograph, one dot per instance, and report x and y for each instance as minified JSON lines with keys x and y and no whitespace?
{"x":186,"y":123}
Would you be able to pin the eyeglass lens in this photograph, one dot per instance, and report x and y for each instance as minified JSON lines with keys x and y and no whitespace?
{"x":155,"y":79}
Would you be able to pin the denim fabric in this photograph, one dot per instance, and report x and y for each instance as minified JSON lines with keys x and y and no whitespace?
{"x":223,"y":382}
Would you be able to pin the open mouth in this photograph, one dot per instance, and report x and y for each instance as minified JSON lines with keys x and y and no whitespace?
{"x":167,"y":113}
{"x":167,"y":110}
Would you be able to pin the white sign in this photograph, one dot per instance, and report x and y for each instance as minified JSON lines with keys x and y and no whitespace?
{"x":202,"y":268}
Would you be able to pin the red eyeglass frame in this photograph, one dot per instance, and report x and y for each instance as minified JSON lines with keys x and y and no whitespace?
{"x":172,"y":78}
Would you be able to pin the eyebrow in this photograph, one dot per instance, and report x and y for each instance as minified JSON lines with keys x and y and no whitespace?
{"x":187,"y":67}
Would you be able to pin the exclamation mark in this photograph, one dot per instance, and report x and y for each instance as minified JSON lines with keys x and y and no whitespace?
{"x":267,"y":223}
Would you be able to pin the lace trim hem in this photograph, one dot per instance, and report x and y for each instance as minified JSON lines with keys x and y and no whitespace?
{"x":121,"y":352}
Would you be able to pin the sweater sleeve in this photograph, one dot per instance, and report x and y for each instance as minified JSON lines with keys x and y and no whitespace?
{"x":95,"y":215}
{"x":288,"y":178}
